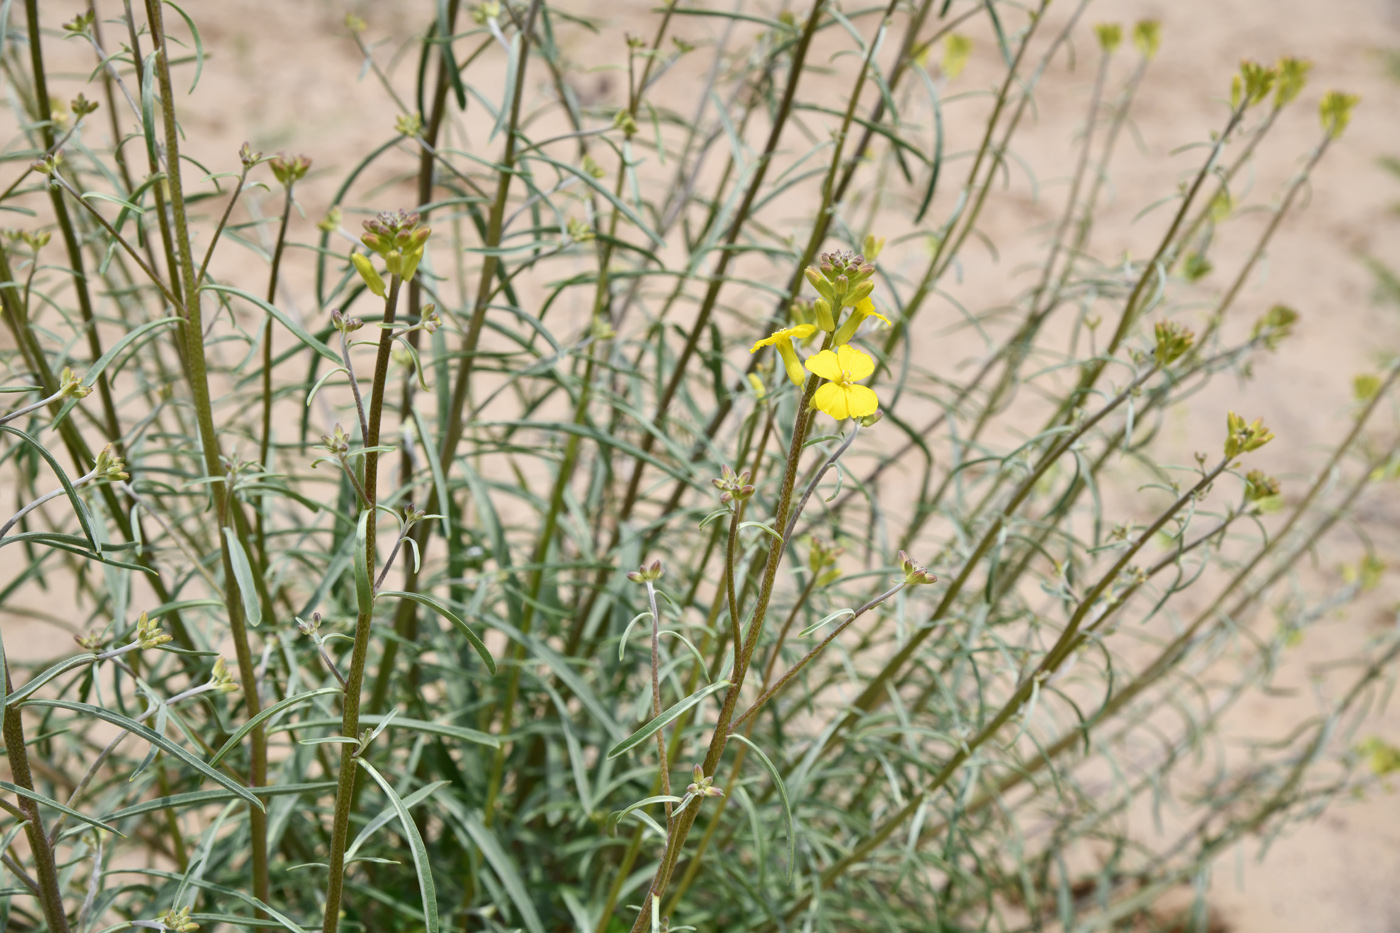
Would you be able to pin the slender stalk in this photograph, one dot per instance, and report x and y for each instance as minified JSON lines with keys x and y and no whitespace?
{"x":265,"y":438}
{"x":354,"y":681}
{"x":225,"y":504}
{"x":46,"y":885}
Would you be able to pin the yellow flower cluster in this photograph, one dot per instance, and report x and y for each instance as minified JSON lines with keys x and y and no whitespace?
{"x":842,"y":281}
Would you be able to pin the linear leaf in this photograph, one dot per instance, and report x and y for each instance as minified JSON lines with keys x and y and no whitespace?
{"x":666,"y":716}
{"x":263,"y":717}
{"x":155,"y":738}
{"x":452,"y":617}
{"x":415,"y":841}
{"x":48,"y":802}
{"x":782,"y":792}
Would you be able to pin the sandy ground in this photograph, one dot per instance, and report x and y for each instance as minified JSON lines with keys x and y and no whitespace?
{"x":283,"y":75}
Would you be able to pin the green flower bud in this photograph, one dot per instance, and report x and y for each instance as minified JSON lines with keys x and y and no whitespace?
{"x":368,"y":273}
{"x":1335,"y":111}
{"x":1110,"y":36}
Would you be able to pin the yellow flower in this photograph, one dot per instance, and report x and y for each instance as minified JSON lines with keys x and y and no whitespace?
{"x":864,"y":309}
{"x":782,"y":340}
{"x":840,"y":397}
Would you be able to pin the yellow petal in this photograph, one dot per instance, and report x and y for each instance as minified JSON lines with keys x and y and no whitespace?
{"x":881,"y":317}
{"x":825,"y":365}
{"x":865,"y":306}
{"x":765,"y":342}
{"x":851,"y":360}
{"x":831,"y":398}
{"x":799,"y":332}
{"x":861,"y":401}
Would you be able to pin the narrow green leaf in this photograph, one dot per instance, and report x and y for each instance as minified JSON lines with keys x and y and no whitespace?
{"x":782,"y":792}
{"x":499,"y":861}
{"x":198,"y":45}
{"x":78,"y":508}
{"x":452,"y":617}
{"x":301,"y":333}
{"x":199,"y":798}
{"x":389,"y":813}
{"x":48,"y":802}
{"x":420,"y":852}
{"x":165,"y":745}
{"x":243,"y":575}
{"x":617,"y":816}
{"x":111,"y":353}
{"x":666,"y":716}
{"x":264,"y":716}
{"x":444,"y":729}
{"x":364,"y":591}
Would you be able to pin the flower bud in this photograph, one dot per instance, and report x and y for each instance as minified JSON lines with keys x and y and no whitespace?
{"x":368,"y":273}
{"x":410,"y":264}
{"x":914,"y":575}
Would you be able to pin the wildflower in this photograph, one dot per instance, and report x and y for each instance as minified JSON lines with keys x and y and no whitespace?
{"x":1335,"y":111}
{"x":1109,"y":35}
{"x":864,"y":309}
{"x":1147,"y":36}
{"x":1172,"y":341}
{"x":782,"y":340}
{"x":1242,"y":438}
{"x":914,"y":575}
{"x":288,"y":169}
{"x":702,"y":786}
{"x":149,"y":634}
{"x":840,"y":397}
{"x":733,"y":486}
{"x":1292,"y":76}
{"x":645,"y":574}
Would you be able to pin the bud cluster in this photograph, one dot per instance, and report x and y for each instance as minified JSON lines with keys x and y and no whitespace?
{"x":34,"y":240}
{"x":312,"y":627}
{"x":344,"y":323}
{"x":1252,"y":84}
{"x":149,"y":634}
{"x":1242,"y":438}
{"x":1258,"y":486}
{"x":48,"y":165}
{"x":248,"y":155}
{"x":396,"y":236}
{"x":702,"y":786}
{"x":645,"y":574}
{"x":914,"y":575}
{"x":80,"y":24}
{"x":221,"y":679}
{"x":288,"y":169}
{"x":1172,"y":341}
{"x":733,"y":486}
{"x":337,"y":442}
{"x":821,"y":560}
{"x":70,"y":385}
{"x":842,"y":278}
{"x":109,"y":465}
{"x":178,"y":921}
{"x":1335,"y":112}
{"x":1276,"y":324}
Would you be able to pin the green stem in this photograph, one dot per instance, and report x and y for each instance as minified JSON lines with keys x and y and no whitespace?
{"x":350,"y":717}
{"x":224,"y":501}
{"x":265,"y":440}
{"x":40,"y":848}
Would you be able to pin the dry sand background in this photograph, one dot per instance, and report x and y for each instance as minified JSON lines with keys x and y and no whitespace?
{"x":283,"y":75}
